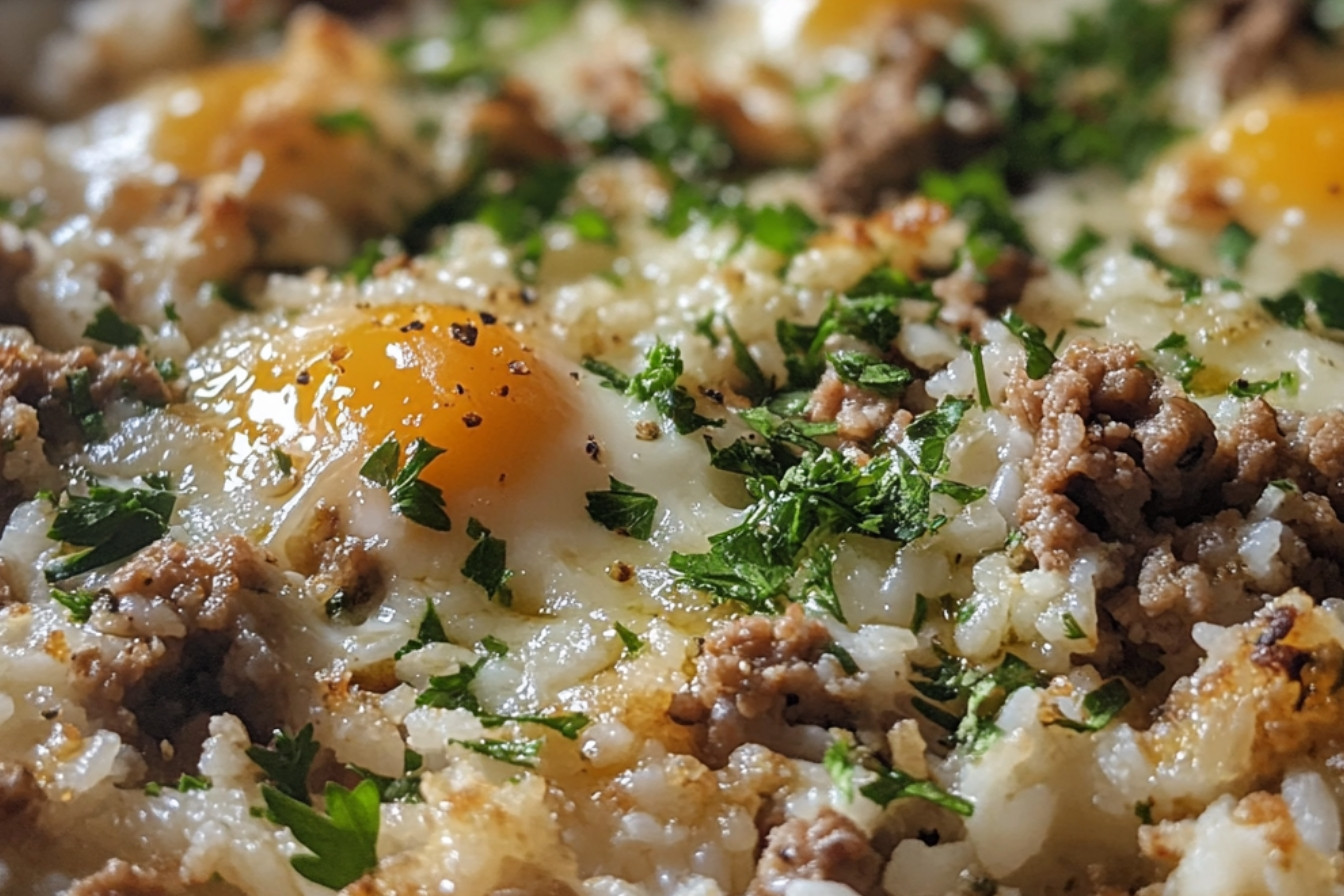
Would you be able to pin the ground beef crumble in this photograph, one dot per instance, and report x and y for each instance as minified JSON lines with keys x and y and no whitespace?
{"x":158,"y":676}
{"x":831,"y":847}
{"x":1129,"y":469}
{"x":755,"y":677}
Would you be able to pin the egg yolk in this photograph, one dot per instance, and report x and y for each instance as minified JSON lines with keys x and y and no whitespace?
{"x":203,"y":107}
{"x":831,"y":20}
{"x":460,"y":380}
{"x":1282,"y":156}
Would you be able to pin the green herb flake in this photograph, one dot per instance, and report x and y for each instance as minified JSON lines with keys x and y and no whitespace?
{"x":893,"y":784}
{"x":839,"y":762}
{"x":843,"y":657}
{"x":430,"y":631}
{"x":1289,"y":309}
{"x":79,"y":604}
{"x":786,"y":229}
{"x":185,"y":784}
{"x":487,"y":565}
{"x":404,"y":789}
{"x":592,"y":226}
{"x":522,"y":753}
{"x":1143,"y":811}
{"x":1234,"y":245}
{"x":288,"y":763}
{"x":1040,"y":357}
{"x":346,"y":121}
{"x":1099,"y":707}
{"x":417,"y":500}
{"x":1325,"y":289}
{"x":230,"y":294}
{"x":493,"y":646}
{"x":82,"y":407}
{"x":109,"y":327}
{"x":283,"y":462}
{"x":623,"y":510}
{"x":867,"y":372}
{"x":920,"y":614}
{"x":1072,"y":630}
{"x":109,"y":524}
{"x":1084,"y":244}
{"x":981,"y":380}
{"x":633,"y":643}
{"x":1187,"y":282}
{"x":1240,"y":388}
{"x":343,"y":840}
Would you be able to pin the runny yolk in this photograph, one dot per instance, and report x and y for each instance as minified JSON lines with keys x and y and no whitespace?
{"x":1282,"y":156}
{"x":202,"y":108}
{"x":832,"y":20}
{"x":458,"y":379}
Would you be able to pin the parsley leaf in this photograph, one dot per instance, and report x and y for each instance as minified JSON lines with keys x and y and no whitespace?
{"x":1289,"y":309}
{"x":633,"y":642}
{"x":79,"y":604}
{"x":980,"y":691}
{"x":1084,"y":244}
{"x":405,"y":789}
{"x":289,"y":762}
{"x":109,"y":524}
{"x":818,"y":585}
{"x":839,"y":762}
{"x":346,"y":121}
{"x":1187,"y":282}
{"x":1240,"y":388}
{"x":870,"y":373}
{"x":185,"y":784}
{"x":623,"y":510}
{"x":1181,"y":363}
{"x":784,"y":228}
{"x":979,"y":196}
{"x":453,"y":691}
{"x":1234,"y":246}
{"x":417,"y":500}
{"x":893,"y":784}
{"x":81,"y":405}
{"x":1040,"y":356}
{"x":1099,"y":707}
{"x":1072,"y":630}
{"x":523,"y":753}
{"x":430,"y":632}
{"x":1325,"y":289}
{"x":592,"y":226}
{"x":344,"y":840}
{"x":657,"y":383}
{"x":108,"y":326}
{"x":486,"y":564}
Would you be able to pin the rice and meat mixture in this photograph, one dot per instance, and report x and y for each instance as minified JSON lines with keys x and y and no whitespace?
{"x":614,"y":448}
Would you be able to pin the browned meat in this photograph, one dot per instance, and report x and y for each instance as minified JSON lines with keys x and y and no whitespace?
{"x":20,"y":797}
{"x":885,"y":136}
{"x":831,"y":847}
{"x":1252,"y":36}
{"x":860,"y":415}
{"x":339,"y":567}
{"x":160,"y":677}
{"x":118,"y":878}
{"x":14,"y":266}
{"x":511,"y":126}
{"x":971,"y":296}
{"x":755,"y":677}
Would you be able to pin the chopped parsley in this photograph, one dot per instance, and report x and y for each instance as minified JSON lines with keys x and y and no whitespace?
{"x":785,"y":229}
{"x":979,"y":692}
{"x":288,"y":763}
{"x":230,"y":294}
{"x":1234,"y":246}
{"x":417,"y":500}
{"x":978,"y":195}
{"x":454,"y":691}
{"x":430,"y":631}
{"x":109,"y":524}
{"x":1187,"y":282}
{"x":657,"y":384}
{"x":78,"y":603}
{"x":108,"y":326}
{"x":405,"y":789}
{"x":867,"y":372}
{"x":283,"y":462}
{"x":920,"y":614}
{"x":343,"y":840}
{"x":893,"y":784}
{"x":185,"y":784}
{"x":623,"y":510}
{"x":22,"y":213}
{"x":346,"y":121}
{"x":981,"y":380}
{"x":1072,"y":630}
{"x":1099,"y":707}
{"x":633,"y":643}
{"x":1174,"y":349}
{"x":1040,"y":355}
{"x":486,"y":564}
{"x":1325,"y":289}
{"x":758,"y":386}
{"x":1240,"y":388}
{"x":1084,"y":244}
{"x":839,"y":761}
{"x":592,"y":226}
{"x":522,"y":753}
{"x":817,"y":584}
{"x":82,"y":407}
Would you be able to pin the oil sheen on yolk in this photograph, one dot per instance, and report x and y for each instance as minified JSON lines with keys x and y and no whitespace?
{"x":1283,"y":155}
{"x":457,"y":379}
{"x":832,"y":20}
{"x":204,"y":107}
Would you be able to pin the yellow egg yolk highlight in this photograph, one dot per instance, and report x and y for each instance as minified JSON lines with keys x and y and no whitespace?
{"x":203,"y":108}
{"x":1281,"y":156}
{"x":833,"y":20}
{"x":460,"y":380}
